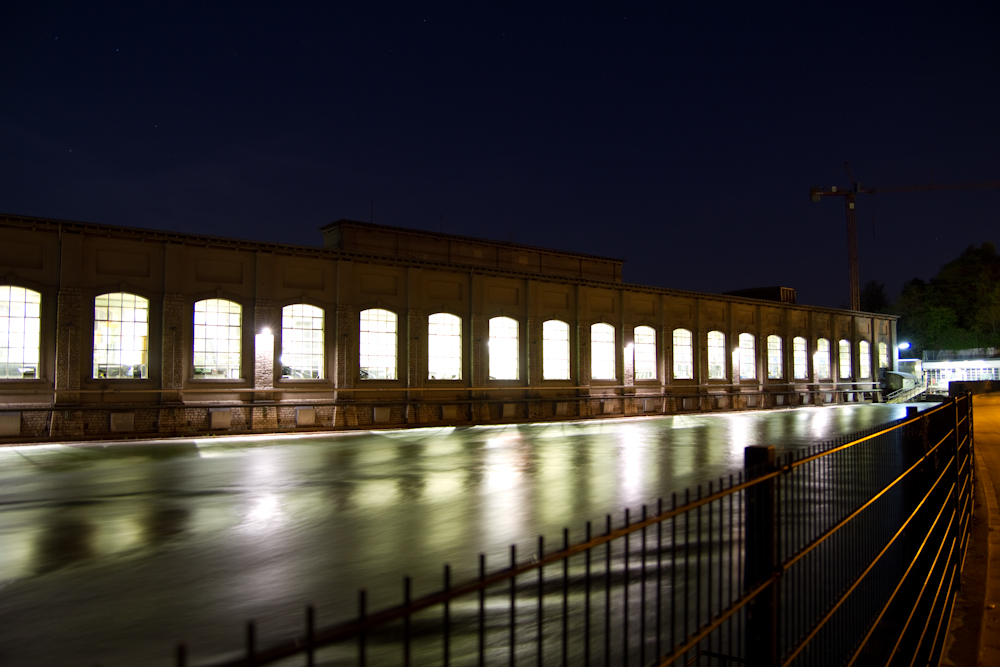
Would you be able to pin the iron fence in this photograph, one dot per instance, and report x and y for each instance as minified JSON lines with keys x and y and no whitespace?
{"x":848,"y":553}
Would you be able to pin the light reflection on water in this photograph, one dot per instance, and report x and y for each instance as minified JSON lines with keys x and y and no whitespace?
{"x":258,"y":526}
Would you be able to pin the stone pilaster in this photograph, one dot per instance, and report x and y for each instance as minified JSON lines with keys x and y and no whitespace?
{"x":480,"y":352}
{"x":265,"y":330}
{"x":416,"y":360}
{"x":346,"y":349}
{"x":175,"y":312}
{"x":533,"y":335}
{"x":266,"y":333}
{"x":68,"y":344}
{"x":69,"y":332}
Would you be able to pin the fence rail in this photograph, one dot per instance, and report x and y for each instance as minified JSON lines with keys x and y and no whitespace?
{"x":848,"y":553}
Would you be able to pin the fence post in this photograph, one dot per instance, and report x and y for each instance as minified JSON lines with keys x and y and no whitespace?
{"x":762,"y":628}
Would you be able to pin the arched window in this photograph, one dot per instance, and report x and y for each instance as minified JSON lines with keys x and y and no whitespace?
{"x":20,"y":332}
{"x":302,"y":349}
{"x":800,"y":358}
{"x":602,"y":351}
{"x":504,"y":349}
{"x":121,"y":336}
{"x":377,"y":345}
{"x":775,"y":364}
{"x":218,"y":339}
{"x":883,"y":355}
{"x":444,"y":347}
{"x":683,"y":355}
{"x":821,"y":360}
{"x":555,"y":350}
{"x":716,"y":355}
{"x":747,"y":355}
{"x":865,"y":359}
{"x":845,"y":359}
{"x":644,"y":353}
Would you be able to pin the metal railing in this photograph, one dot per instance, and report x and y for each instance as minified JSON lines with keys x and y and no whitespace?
{"x":848,"y":553}
{"x":903,"y":395}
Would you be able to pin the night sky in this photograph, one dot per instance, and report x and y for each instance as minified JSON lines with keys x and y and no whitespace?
{"x":681,"y":137}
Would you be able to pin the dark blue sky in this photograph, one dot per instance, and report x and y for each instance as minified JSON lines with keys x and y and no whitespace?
{"x":681,"y":138}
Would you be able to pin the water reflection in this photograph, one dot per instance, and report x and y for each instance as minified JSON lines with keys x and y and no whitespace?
{"x":63,"y":541}
{"x":256,"y":527}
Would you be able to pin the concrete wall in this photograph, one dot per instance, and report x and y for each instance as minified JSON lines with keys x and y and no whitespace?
{"x":72,"y":263}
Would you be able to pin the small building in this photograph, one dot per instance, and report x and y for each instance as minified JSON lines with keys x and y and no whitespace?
{"x":945,"y":366}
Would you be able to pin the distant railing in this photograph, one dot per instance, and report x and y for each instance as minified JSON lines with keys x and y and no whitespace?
{"x":848,"y":553}
{"x":903,"y":395}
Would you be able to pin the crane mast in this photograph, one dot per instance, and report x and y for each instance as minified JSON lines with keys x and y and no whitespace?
{"x":849,"y":195}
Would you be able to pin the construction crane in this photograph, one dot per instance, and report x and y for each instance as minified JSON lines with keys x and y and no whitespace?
{"x":852,"y":228}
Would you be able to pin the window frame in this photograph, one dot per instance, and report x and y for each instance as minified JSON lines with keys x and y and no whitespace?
{"x":322,"y":342}
{"x":828,"y":366}
{"x":715,"y":354}
{"x":652,"y":334}
{"x":38,"y":364}
{"x":363,"y":374}
{"x":746,"y":343}
{"x":121,"y":351}
{"x":804,"y":358}
{"x":676,"y":356}
{"x":446,"y":342}
{"x":864,"y":360}
{"x":883,"y":355}
{"x":604,"y":348}
{"x":844,"y":348}
{"x":494,"y":334}
{"x":549,"y":346}
{"x":241,"y":341}
{"x":775,"y":357}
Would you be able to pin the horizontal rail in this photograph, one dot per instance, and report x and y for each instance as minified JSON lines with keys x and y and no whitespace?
{"x":899,"y":586}
{"x":719,"y":620}
{"x":853,"y":443}
{"x":822,"y":538}
{"x":857,"y":582}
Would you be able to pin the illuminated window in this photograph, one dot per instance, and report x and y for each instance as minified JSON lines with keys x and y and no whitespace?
{"x":774,"y":362}
{"x":716,"y":355}
{"x":555,"y":350}
{"x":683,"y":355}
{"x":746,"y":357}
{"x":20,"y":331}
{"x":883,"y":355}
{"x":504,"y":352}
{"x":821,"y":360}
{"x":218,"y":339}
{"x":121,"y":336}
{"x":444,"y":347}
{"x":865,"y":359}
{"x":800,"y":356}
{"x":602,"y":351}
{"x":302,"y":351}
{"x":845,"y":359}
{"x":644,"y":351}
{"x":377,"y":351}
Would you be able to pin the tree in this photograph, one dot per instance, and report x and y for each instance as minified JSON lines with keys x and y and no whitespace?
{"x":873,"y":298}
{"x":958,"y":309}
{"x":988,"y":317}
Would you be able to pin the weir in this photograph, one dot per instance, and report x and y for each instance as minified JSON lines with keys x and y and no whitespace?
{"x":846,"y":553}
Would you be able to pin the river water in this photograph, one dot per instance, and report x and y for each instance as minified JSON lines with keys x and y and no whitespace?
{"x":111,"y":553}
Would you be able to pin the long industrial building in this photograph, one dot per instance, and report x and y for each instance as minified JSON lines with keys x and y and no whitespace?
{"x":113,"y":332}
